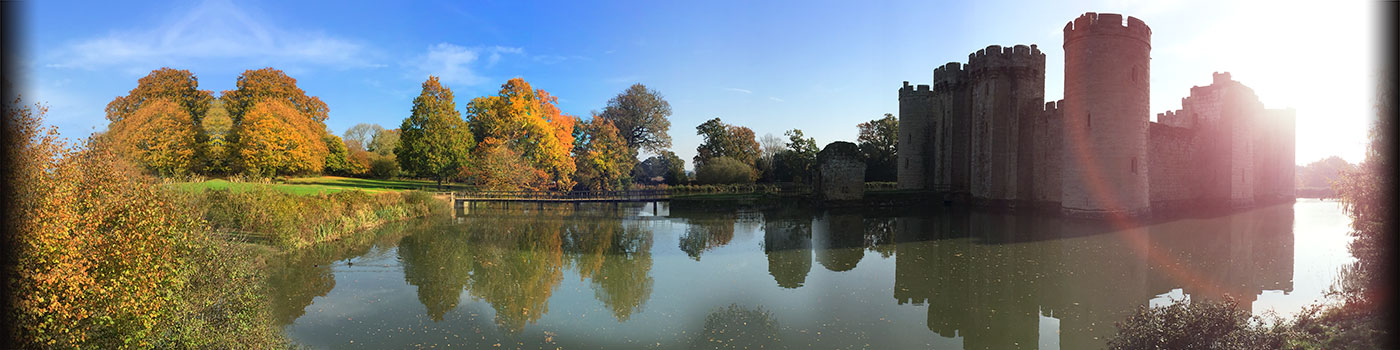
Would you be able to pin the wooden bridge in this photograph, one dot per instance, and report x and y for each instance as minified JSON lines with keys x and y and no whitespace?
{"x":561,"y":196}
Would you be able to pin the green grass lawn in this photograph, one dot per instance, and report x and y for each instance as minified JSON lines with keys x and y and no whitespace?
{"x":319,"y":185}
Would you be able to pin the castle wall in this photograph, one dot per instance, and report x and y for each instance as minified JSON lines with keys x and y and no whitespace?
{"x":982,"y":131}
{"x":1007,"y":88}
{"x":915,"y":117}
{"x":1170,"y":168}
{"x":1106,"y":116}
{"x":952,"y":98}
{"x":1046,"y":159}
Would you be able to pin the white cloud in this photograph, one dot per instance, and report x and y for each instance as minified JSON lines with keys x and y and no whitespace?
{"x":212,"y":29}
{"x":740,"y":90}
{"x":453,"y":64}
{"x":775,"y":99}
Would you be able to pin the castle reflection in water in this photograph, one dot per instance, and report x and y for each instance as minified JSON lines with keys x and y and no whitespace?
{"x":991,"y":279}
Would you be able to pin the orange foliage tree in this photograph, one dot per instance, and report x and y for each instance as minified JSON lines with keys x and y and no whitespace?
{"x":604,"y":161}
{"x":528,"y":121}
{"x":276,"y":139}
{"x":177,"y":85}
{"x":268,"y":83}
{"x":161,"y":137}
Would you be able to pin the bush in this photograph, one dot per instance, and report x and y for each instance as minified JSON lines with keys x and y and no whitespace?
{"x":290,"y":220}
{"x":1198,"y":325}
{"x":384,"y":168}
{"x":106,"y":258}
{"x":725,"y":170}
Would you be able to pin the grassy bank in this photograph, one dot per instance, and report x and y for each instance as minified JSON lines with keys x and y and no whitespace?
{"x":289,"y":220}
{"x":314,"y":185}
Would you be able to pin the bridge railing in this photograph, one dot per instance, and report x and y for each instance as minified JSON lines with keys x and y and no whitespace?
{"x":560,"y":195}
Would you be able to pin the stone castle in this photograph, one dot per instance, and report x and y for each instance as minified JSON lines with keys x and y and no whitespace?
{"x":984,"y":132}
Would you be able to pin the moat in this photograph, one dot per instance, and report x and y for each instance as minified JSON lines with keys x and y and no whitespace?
{"x":617,"y":276}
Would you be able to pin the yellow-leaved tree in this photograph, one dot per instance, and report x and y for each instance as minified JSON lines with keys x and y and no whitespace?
{"x":527,"y":121}
{"x":160,"y":137}
{"x":276,"y":139}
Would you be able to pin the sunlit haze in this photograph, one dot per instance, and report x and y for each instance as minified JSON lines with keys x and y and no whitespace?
{"x":819,"y":67}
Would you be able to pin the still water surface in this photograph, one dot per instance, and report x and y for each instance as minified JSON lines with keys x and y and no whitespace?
{"x":605,"y":276}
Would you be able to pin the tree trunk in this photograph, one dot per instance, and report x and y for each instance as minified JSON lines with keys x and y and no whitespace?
{"x":439,"y":183}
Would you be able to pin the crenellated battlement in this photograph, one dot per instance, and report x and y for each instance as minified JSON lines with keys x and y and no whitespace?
{"x":999,"y":57}
{"x":949,"y":76}
{"x":1052,"y":108}
{"x":920,"y":91}
{"x":1220,"y":77}
{"x":1091,"y":23}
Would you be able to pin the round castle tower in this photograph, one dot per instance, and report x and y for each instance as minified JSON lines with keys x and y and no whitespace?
{"x":1106,"y":116}
{"x":1008,"y":91}
{"x":915,"y":119}
{"x":951,"y":129}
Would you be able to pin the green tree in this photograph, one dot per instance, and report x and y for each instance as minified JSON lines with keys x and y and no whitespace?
{"x":675,"y":169}
{"x":724,"y":140}
{"x":724,"y":170}
{"x":384,"y":142}
{"x":338,"y":157}
{"x":1323,"y":172}
{"x":362,"y":134}
{"x":878,"y":143}
{"x":640,"y":115}
{"x":435,"y":141}
{"x":799,"y":161}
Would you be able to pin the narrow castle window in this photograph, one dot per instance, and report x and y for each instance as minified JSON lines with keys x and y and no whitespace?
{"x":1089,"y":118}
{"x":1134,"y":166}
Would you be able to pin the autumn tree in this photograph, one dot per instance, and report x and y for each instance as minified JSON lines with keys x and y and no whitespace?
{"x":435,"y":142}
{"x":276,"y":139}
{"x":253,"y":86}
{"x":641,"y":117}
{"x":175,"y":85}
{"x":878,"y":143}
{"x":799,"y":161}
{"x":501,"y":168}
{"x":724,"y":140}
{"x":603,"y":160}
{"x":528,"y":121}
{"x":160,"y":137}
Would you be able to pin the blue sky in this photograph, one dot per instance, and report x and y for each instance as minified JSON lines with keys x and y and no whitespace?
{"x":818,"y":66}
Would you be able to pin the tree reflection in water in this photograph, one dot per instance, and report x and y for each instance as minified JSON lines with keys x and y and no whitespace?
{"x":737,"y":327}
{"x":297,"y":277}
{"x":990,"y":280}
{"x":515,"y":261}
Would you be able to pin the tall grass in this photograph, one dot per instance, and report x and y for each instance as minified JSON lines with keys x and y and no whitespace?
{"x":294,"y":221}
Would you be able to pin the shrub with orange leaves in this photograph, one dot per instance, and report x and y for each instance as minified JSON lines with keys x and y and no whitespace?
{"x":103,"y":257}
